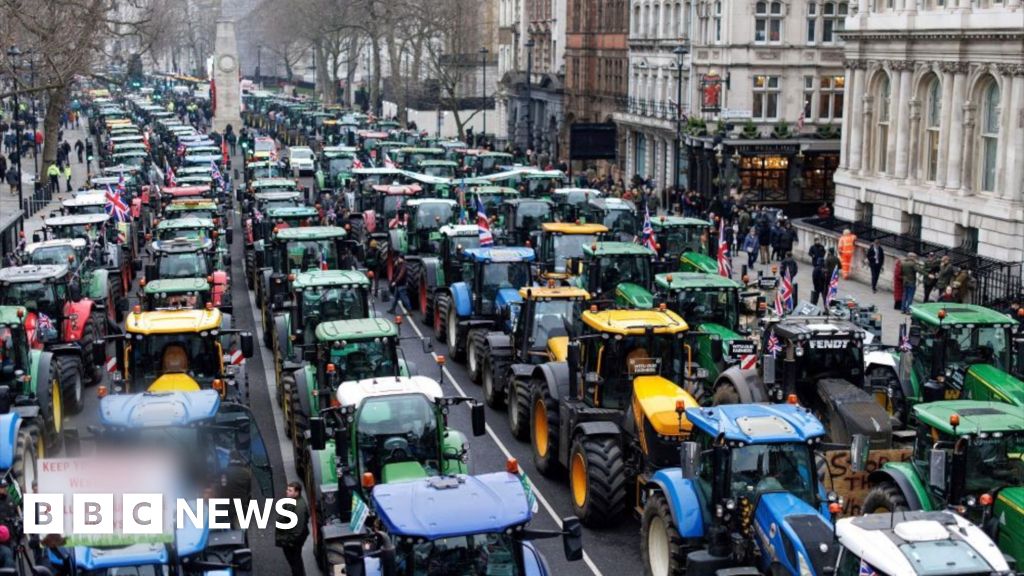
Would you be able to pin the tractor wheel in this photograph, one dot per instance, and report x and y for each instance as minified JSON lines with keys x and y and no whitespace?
{"x":90,"y":370}
{"x":414,"y":269}
{"x":518,"y":408}
{"x":114,"y":303}
{"x":441,"y":317}
{"x":425,"y":300}
{"x":268,"y":326}
{"x":26,"y":457}
{"x":299,"y":425}
{"x":886,"y":497}
{"x":725,"y":393}
{"x":544,"y":429}
{"x":250,"y":269}
{"x":597,"y":479}
{"x":488,"y":374}
{"x":456,"y":346}
{"x":474,"y":353}
{"x":284,"y":388}
{"x":661,"y":546}
{"x":65,"y":373}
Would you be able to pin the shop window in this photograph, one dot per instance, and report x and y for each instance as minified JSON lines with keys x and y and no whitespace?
{"x":766,"y":97}
{"x":818,"y":170}
{"x":764,"y":177}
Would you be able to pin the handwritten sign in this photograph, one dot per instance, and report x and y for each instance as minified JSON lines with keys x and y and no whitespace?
{"x":853,"y":486}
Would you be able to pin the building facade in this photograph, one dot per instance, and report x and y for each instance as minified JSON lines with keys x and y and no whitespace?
{"x":933,"y":143}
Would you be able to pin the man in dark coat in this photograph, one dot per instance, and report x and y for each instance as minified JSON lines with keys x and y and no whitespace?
{"x":876,"y":261}
{"x":290,"y":540}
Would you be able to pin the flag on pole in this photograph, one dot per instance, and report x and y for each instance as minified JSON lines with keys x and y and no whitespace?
{"x":215,"y":173}
{"x":647,"y":235}
{"x":833,"y":287}
{"x":169,"y":176}
{"x":483,"y":224}
{"x":120,"y":184}
{"x":904,"y":339}
{"x":786,"y":290}
{"x":773,"y":347}
{"x":115,"y":206}
{"x":724,"y":263}
{"x":780,"y":306}
{"x":388,"y":162}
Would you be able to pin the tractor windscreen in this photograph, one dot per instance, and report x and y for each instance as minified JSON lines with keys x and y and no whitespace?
{"x":87,"y":231}
{"x":392,"y":202}
{"x":459,"y":556}
{"x":632,"y":268}
{"x":549,"y":319}
{"x":185,"y":353}
{"x":52,"y":255}
{"x":266,"y":172}
{"x":994,"y":462}
{"x":339,"y":303}
{"x":433,"y":216}
{"x":183,"y":265}
{"x":13,"y":352}
{"x":966,"y":346}
{"x":343,"y":164}
{"x":498,"y":275}
{"x":40,"y":296}
{"x":178,"y":300}
{"x":186,"y":233}
{"x":396,"y":431}
{"x":830,"y":358}
{"x":620,"y":361}
{"x":569,"y":246}
{"x":620,"y":221}
{"x":440,"y":171}
{"x":530,"y":215}
{"x":759,"y":468}
{"x":541,"y":186}
{"x":680,"y":240}
{"x":365,"y":359}
{"x":308,"y":254}
{"x":714,"y":306}
{"x":90,"y":209}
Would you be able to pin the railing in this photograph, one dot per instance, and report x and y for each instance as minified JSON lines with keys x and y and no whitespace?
{"x":39,"y":198}
{"x":652,"y":108}
{"x":999,"y":283}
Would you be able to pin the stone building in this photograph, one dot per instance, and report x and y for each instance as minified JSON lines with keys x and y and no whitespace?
{"x":933,"y":142}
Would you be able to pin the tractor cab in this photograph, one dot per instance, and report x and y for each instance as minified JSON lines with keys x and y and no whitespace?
{"x":85,"y":203}
{"x":380,"y":203}
{"x":492,"y":277}
{"x":366,"y":178}
{"x":181,"y":258}
{"x":411,"y":158}
{"x":522,"y":218}
{"x":426,"y":218}
{"x":320,"y":296}
{"x":571,"y":204}
{"x":206,"y":208}
{"x":265,"y":185}
{"x":264,"y":169}
{"x":335,"y":167}
{"x":491,"y":162}
{"x":93,"y":227}
{"x":540,"y":325}
{"x":176,"y":293}
{"x":283,"y":217}
{"x":438,"y":168}
{"x":618,"y":215}
{"x":203,"y":233}
{"x":561,"y":241}
{"x":47,"y":291}
{"x":616,"y":271}
{"x":543,"y":183}
{"x":492,"y":198}
{"x":680,"y":238}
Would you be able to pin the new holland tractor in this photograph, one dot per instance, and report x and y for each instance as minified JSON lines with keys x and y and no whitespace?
{"x":466,"y":310}
{"x":611,"y":413}
{"x":958,"y":351}
{"x":377,"y":431}
{"x":967,"y":455}
{"x":745,"y":495}
{"x":618,"y":273}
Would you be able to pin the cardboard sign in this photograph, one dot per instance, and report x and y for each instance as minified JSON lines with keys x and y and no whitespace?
{"x":854,"y":486}
{"x":644,"y":366}
{"x":742,"y":348}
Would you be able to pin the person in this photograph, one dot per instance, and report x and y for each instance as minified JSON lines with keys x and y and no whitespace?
{"x":79,"y":149}
{"x":831,"y":262}
{"x":12,"y":178}
{"x":819,"y":280}
{"x":897,"y":285}
{"x":67,"y":175}
{"x":6,"y":554}
{"x":847,"y":246}
{"x":876,"y":260}
{"x":53,"y":173}
{"x":946,"y":273}
{"x":398,"y":287}
{"x":3,"y":168}
{"x":373,"y":265}
{"x":764,"y":236}
{"x":788,"y":264}
{"x":947,"y":294}
{"x":751,"y":246}
{"x":910,"y":268}
{"x":930,"y":268}
{"x":817,"y":250}
{"x":963,"y":285}
{"x":290,"y":540}
{"x":824,"y":212}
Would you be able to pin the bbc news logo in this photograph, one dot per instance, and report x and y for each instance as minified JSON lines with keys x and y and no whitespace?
{"x":146,"y":514}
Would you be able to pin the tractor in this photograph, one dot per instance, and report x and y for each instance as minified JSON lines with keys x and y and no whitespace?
{"x":180,"y":351}
{"x":198,"y":230}
{"x":966,"y":455}
{"x":618,"y":215}
{"x":86,"y":259}
{"x":58,"y":320}
{"x":439,"y":168}
{"x":682,"y":240}
{"x":182,"y":259}
{"x":256,"y":227}
{"x":382,"y":430}
{"x":571,"y":204}
{"x":822,"y":367}
{"x":957,"y":351}
{"x":175,"y":293}
{"x":442,"y":269}
{"x":616,"y":273}
{"x":521,"y":220}
{"x":115,"y":243}
{"x":611,"y":413}
{"x":560,"y":241}
{"x":195,"y":208}
{"x":466,"y":310}
{"x":378,"y":205}
{"x":334,"y":170}
{"x":538,"y":334}
{"x":745,"y":498}
{"x":422,"y":236}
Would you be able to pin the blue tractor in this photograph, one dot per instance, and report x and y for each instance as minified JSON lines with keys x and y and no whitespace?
{"x":746,"y":496}
{"x":456,"y":525}
{"x":472,"y":307}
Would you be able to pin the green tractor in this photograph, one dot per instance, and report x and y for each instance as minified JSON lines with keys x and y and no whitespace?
{"x":521,"y":220}
{"x":682,"y":242}
{"x":959,"y":351}
{"x":334,"y":170}
{"x":441,"y":270}
{"x":967,"y":454}
{"x":100,"y":284}
{"x":176,"y":293}
{"x":422,"y":235}
{"x":616,"y":272}
{"x":382,"y":430}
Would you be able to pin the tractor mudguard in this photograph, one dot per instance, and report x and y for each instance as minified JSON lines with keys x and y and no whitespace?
{"x":597,"y":428}
{"x":305,"y":384}
{"x":747,"y":382}
{"x":73,"y":330}
{"x":523,"y":371}
{"x":39,"y":363}
{"x":10,"y":423}
{"x":454,"y":441}
{"x":505,"y":297}
{"x":30,"y":412}
{"x":682,"y":498}
{"x":499,"y":343}
{"x":98,"y":289}
{"x":633,"y":296}
{"x":462,"y":299}
{"x":902,"y":474}
{"x":64,"y":348}
{"x":852,"y":410}
{"x":556,"y":376}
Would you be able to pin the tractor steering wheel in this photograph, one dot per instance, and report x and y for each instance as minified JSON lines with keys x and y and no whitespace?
{"x":396,"y":449}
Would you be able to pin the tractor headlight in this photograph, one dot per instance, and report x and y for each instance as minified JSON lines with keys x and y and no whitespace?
{"x":805,"y":570}
{"x":971,"y":501}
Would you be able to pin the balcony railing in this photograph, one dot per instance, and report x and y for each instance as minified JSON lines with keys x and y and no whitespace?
{"x":652,"y":108}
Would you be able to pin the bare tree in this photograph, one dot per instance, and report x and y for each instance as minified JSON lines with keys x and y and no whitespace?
{"x":454,"y":34}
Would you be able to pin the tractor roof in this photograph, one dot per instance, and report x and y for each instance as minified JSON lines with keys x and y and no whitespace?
{"x":291,"y":211}
{"x":76,"y":243}
{"x":500,"y":254}
{"x":522,"y":201}
{"x":278,"y":195}
{"x":177,"y":285}
{"x":806,"y":327}
{"x":398,"y":189}
{"x":9,"y":315}
{"x":757,"y":423}
{"x":573,"y":228}
{"x":433,"y":162}
{"x":494,"y":190}
{"x":359,"y":329}
{"x":494,"y":155}
{"x":612,"y":203}
{"x":274,"y":183}
{"x":182,"y":245}
{"x":85,"y":199}
{"x":190,"y":203}
{"x":634,"y":322}
{"x":419,"y":150}
{"x":617,"y":249}
{"x":587,"y":192}
{"x":958,"y":314}
{"x":460,"y":230}
{"x":32,"y":273}
{"x":457,"y":505}
{"x":975,"y":416}
{"x":554,"y":293}
{"x":309,"y":233}
{"x":694,"y":281}
{"x":421,"y":201}
{"x":173,"y":321}
{"x":353,"y":392}
{"x":178,"y":223}
{"x":186,"y":191}
{"x":329,"y":278}
{"x":159,"y":410}
{"x":677,"y":222}
{"x":378,"y":170}
{"x":76,"y":220}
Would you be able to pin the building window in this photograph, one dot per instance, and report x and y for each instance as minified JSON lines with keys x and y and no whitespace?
{"x":830,"y":97}
{"x":882,"y":132}
{"x":636,"y":21}
{"x":913,"y":224}
{"x":812,"y":22}
{"x":640,"y":153}
{"x":808,"y":96}
{"x":989,"y":136}
{"x":717,"y":22}
{"x":834,"y":15}
{"x":768,"y":22}
{"x":933,"y":121}
{"x":766,"y":97}
{"x":866,"y":214}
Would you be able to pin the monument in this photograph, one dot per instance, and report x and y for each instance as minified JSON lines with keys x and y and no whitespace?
{"x":226,"y":86}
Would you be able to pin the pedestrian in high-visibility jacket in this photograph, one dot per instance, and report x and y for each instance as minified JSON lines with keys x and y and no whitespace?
{"x":53,"y":174}
{"x":847,"y":246}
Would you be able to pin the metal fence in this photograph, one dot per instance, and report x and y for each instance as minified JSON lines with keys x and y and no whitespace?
{"x":40,"y":197}
{"x":651,"y":108}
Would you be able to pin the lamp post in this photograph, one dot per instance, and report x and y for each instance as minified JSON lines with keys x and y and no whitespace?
{"x":483,"y":90}
{"x":13,"y":54}
{"x":529,"y":94}
{"x":259,"y":67}
{"x":680,"y":52}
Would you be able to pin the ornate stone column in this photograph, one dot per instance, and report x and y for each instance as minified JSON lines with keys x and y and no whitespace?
{"x":968,"y":166}
{"x":844,"y":137}
{"x":914,"y":156}
{"x":1014,"y":187}
{"x":956,"y":127}
{"x":1003,"y":170}
{"x":942,"y":165}
{"x":902,"y":117}
{"x":866,"y":135}
{"x":856,"y":137}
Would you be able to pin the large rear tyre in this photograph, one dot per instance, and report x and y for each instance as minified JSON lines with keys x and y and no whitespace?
{"x":544,"y":429}
{"x":519,"y":408}
{"x":597,"y":479}
{"x":414,"y":269}
{"x":661,"y":546}
{"x":488,"y":378}
{"x":26,"y":457}
{"x":250,"y":269}
{"x":441,"y":318}
{"x":65,"y":373}
{"x":90,"y":363}
{"x":725,"y":393}
{"x":474,"y":354}
{"x":886,"y":497}
{"x":426,"y":301}
{"x":456,"y":346}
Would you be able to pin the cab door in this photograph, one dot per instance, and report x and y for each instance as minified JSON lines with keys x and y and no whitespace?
{"x":243,"y":434}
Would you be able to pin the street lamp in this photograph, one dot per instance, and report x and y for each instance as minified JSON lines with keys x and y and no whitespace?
{"x":680,"y":52}
{"x":483,"y":90}
{"x":13,"y":54}
{"x":529,"y":95}
{"x":259,"y":67}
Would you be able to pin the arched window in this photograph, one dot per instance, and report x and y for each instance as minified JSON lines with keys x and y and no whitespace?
{"x":932,"y":124}
{"x":646,"y":19}
{"x":636,"y":20}
{"x":882,"y":97}
{"x":767,"y":22}
{"x":989,"y":125}
{"x":679,"y":32}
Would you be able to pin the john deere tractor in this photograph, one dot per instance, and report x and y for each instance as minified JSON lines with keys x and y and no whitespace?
{"x":618,"y":273}
{"x":381,"y":430}
{"x":175,"y":294}
{"x":441,"y":270}
{"x":967,"y":455}
{"x":612,"y":413}
{"x":560,"y":241}
{"x":423,"y":235}
{"x":100,"y":284}
{"x":682,"y":240}
{"x":184,"y":259}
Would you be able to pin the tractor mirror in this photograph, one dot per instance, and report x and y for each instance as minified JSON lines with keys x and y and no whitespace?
{"x":229,"y":235}
{"x":241,"y":559}
{"x":99,"y":352}
{"x":36,"y":237}
{"x":914,"y":335}
{"x":689,"y":459}
{"x":428,"y":345}
{"x":479,"y":419}
{"x":150,"y":273}
{"x":227,"y":260}
{"x":716,"y":349}
{"x":572,"y":538}
{"x":938,"y":465}
{"x":72,"y":443}
{"x":317,"y":433}
{"x":245,"y":340}
{"x":860,"y":445}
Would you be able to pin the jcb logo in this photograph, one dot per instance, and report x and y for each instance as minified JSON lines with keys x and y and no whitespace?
{"x":829,"y":344}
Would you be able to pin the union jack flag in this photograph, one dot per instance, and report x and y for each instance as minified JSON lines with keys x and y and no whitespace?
{"x":116,"y":207}
{"x":169,"y":175}
{"x":647,"y":234}
{"x":45,"y":329}
{"x":215,"y":173}
{"x":786,"y":290}
{"x":833,"y":287}
{"x":866,"y":569}
{"x":904,"y":339}
{"x":483,"y":224}
{"x":773,"y":347}
{"x":780,"y":305}
{"x":388,"y":162}
{"x":120,"y":184}
{"x":724,"y":262}
{"x":357,"y":163}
